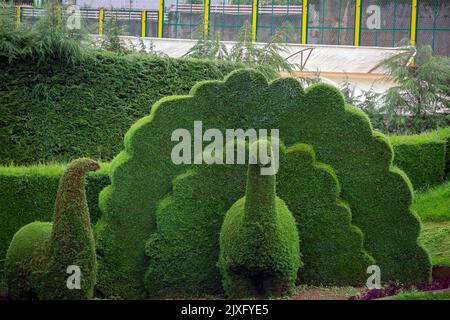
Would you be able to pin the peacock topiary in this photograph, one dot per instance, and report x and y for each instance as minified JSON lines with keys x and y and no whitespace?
{"x":259,"y":242}
{"x":42,"y":255}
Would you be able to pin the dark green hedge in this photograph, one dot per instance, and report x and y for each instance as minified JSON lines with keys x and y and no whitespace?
{"x":28,"y":194}
{"x":59,"y":112}
{"x":424,"y":158}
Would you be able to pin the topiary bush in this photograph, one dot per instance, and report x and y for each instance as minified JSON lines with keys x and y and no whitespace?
{"x":188,"y":225}
{"x":422,"y":157}
{"x":40,"y":253}
{"x":378,"y":194}
{"x":259,"y":242}
{"x":29,"y":194}
{"x":188,"y":222}
{"x":332,"y":247}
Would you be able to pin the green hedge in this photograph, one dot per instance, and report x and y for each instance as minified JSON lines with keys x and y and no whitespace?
{"x":378,"y":194}
{"x":259,"y":241}
{"x":58,"y":112}
{"x":41,"y":252}
{"x":332,"y":247}
{"x":28,"y":194}
{"x":425,"y":158}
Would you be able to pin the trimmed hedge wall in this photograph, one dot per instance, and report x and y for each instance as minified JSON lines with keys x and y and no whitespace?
{"x":58,"y":112}
{"x":28,"y":194}
{"x":425,"y":158}
{"x":378,"y":194}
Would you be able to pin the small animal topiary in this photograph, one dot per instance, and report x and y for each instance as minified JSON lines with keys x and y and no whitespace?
{"x":259,"y":242}
{"x":40,"y":253}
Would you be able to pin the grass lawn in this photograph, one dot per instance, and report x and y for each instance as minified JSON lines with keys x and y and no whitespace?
{"x":443,"y":295}
{"x":433,"y":205}
{"x":435,"y":237}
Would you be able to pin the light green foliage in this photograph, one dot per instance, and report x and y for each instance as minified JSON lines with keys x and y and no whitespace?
{"x":40,"y":253}
{"x":433,"y":205}
{"x":443,"y":295}
{"x":141,"y":175}
{"x":27,"y":255}
{"x":435,"y":237}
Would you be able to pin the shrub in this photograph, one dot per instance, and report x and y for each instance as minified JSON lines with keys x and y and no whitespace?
{"x":29,"y":193}
{"x":422,"y":157}
{"x":188,"y":225}
{"x":188,"y":222}
{"x":332,"y":247}
{"x":40,"y":253}
{"x":58,"y":111}
{"x":259,"y":242}
{"x":378,"y":194}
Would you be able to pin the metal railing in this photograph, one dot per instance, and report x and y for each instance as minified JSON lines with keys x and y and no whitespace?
{"x":336,"y":22}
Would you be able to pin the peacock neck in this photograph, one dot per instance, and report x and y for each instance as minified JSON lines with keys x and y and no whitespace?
{"x":260,"y":205}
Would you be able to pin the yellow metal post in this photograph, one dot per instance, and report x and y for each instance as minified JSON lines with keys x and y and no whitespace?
{"x":254,"y":19}
{"x":160,"y":18}
{"x":357,"y":23}
{"x":413,"y":32}
{"x":305,"y":12}
{"x":100,"y":21}
{"x":143,"y":23}
{"x":206,"y":18}
{"x":18,"y":14}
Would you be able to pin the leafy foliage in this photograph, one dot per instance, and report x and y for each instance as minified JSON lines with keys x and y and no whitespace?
{"x":421,"y":99}
{"x":266,"y":57}
{"x":49,"y":40}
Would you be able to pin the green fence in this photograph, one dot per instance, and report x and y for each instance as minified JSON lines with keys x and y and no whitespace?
{"x":379,"y":23}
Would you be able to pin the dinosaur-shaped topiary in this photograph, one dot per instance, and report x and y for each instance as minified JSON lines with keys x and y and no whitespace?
{"x":40,"y":253}
{"x":259,"y":242}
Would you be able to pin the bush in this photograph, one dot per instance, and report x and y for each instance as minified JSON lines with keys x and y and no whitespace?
{"x":332,"y":247}
{"x":422,"y":157}
{"x":188,"y":225}
{"x":141,"y":175}
{"x":29,"y":193}
{"x":40,"y":254}
{"x":188,"y":222}
{"x":58,"y":111}
{"x":259,"y":242}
